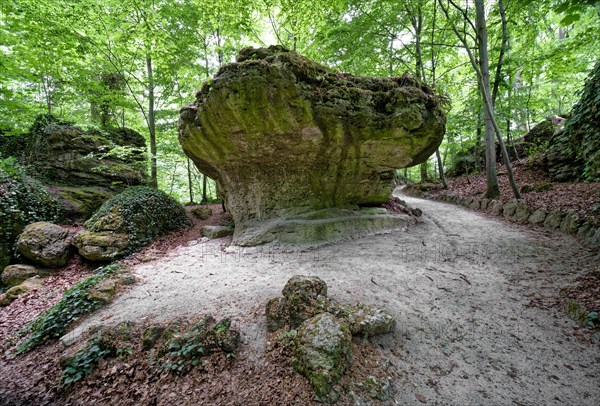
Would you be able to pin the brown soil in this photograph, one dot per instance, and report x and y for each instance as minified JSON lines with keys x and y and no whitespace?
{"x":479,"y":319}
{"x":582,"y":197}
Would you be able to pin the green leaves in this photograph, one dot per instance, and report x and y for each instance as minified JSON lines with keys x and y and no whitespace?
{"x":75,"y":303}
{"x":84,"y":361}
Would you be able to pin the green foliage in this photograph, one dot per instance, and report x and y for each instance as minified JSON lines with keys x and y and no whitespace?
{"x":23,"y":200}
{"x":582,"y":130}
{"x":75,"y":303}
{"x":287,"y":338}
{"x":85,"y":360}
{"x":183,"y":352}
{"x":147,"y":213}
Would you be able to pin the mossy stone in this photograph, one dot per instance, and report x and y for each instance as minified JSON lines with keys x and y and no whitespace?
{"x":278,"y":131}
{"x":322,"y":353}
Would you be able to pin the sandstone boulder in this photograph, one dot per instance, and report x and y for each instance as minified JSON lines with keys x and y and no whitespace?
{"x":554,"y":219}
{"x":14,"y":275}
{"x":509,"y":209}
{"x":522,"y":212}
{"x":65,"y":154}
{"x":101,"y":246}
{"x":286,"y":138}
{"x":202,"y":212}
{"x":570,"y":222}
{"x":216,"y":231}
{"x":303,"y":297}
{"x":45,"y":243}
{"x":12,"y":294}
{"x":538,"y":216}
{"x":79,"y":203}
{"x":366,"y":321}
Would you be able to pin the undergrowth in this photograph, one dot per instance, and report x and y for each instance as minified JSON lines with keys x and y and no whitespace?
{"x":75,"y":303}
{"x":85,"y":360}
{"x":183,"y":352}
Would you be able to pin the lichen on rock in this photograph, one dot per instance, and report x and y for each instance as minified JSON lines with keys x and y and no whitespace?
{"x":322,"y":354}
{"x":285,"y":137}
{"x":45,"y":243}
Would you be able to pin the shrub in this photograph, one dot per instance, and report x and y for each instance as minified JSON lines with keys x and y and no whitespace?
{"x":23,"y":200}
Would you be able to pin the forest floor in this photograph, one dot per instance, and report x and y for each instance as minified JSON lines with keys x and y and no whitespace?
{"x":544,"y":193}
{"x":478,"y":303}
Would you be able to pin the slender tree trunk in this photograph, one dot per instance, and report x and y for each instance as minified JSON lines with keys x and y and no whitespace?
{"x":423,"y":170}
{"x":490,"y":146}
{"x":433,"y":65}
{"x":204,"y":199}
{"x":503,"y":47}
{"x":190,"y":183}
{"x":151,"y":122}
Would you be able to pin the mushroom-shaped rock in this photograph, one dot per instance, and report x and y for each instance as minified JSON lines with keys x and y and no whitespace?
{"x":45,"y":243}
{"x":322,"y":354}
{"x":296,"y":149}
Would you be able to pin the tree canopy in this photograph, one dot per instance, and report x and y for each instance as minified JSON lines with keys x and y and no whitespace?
{"x":134,"y":63}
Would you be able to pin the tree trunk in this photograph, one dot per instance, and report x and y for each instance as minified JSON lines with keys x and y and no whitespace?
{"x":151,"y":122}
{"x":204,"y":199}
{"x":190,"y":183}
{"x":441,"y":168}
{"x":503,"y":46}
{"x":423,"y":169}
{"x":493,"y":189}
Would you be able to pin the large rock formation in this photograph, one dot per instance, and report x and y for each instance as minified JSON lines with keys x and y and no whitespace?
{"x":81,"y":168}
{"x":67,"y":155}
{"x":293,"y":145}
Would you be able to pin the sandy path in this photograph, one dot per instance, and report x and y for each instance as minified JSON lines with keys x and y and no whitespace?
{"x":459,"y":285}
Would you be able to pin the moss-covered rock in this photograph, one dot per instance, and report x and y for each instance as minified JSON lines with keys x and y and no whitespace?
{"x":79,"y":203}
{"x":303,"y":297}
{"x":323,"y":352}
{"x":283,"y":135}
{"x":570,"y":222}
{"x":14,"y":275}
{"x":554,"y":219}
{"x":128,"y":221}
{"x":216,"y":231}
{"x":574,"y":152}
{"x":101,"y":246}
{"x":522,"y":212}
{"x":12,"y":294}
{"x":538,"y":216}
{"x":366,"y":321}
{"x":202,"y":213}
{"x":45,"y":243}
{"x":104,"y":291}
{"x":67,"y":155}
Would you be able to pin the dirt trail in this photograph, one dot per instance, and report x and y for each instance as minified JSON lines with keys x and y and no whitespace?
{"x":459,"y":285}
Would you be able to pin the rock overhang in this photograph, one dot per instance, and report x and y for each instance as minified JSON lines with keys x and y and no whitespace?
{"x":284,"y":136}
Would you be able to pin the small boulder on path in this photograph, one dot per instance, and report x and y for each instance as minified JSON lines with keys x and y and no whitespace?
{"x":303,"y":297}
